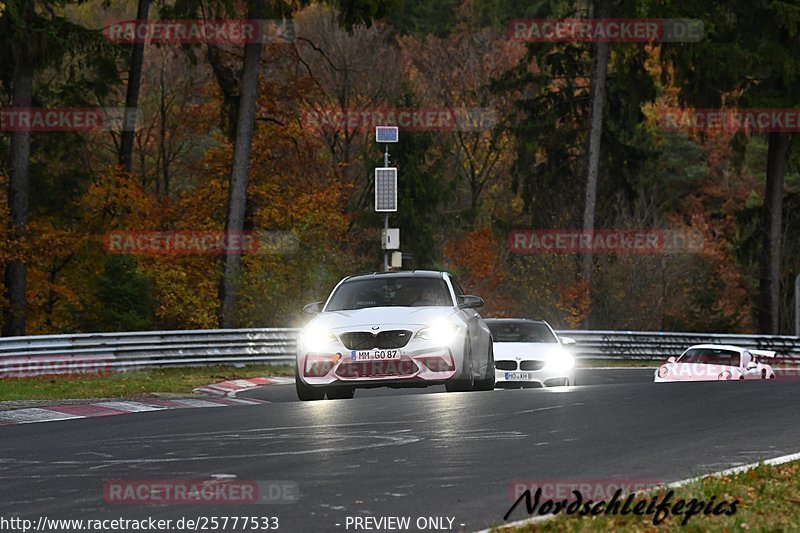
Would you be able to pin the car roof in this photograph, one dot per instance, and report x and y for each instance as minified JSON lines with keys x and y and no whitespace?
{"x":398,"y":274}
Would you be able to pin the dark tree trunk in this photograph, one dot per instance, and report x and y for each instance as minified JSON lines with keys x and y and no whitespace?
{"x":598,"y":97}
{"x":237,"y":193}
{"x":164,"y":144}
{"x":132,"y":97}
{"x":15,"y":276}
{"x":771,"y":222}
{"x":228,"y":83}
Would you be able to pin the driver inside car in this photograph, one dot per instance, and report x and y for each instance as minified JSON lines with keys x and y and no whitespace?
{"x":428,"y":295}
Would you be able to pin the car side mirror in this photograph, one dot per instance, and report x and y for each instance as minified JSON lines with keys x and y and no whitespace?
{"x":566,"y":341}
{"x":471,"y":302}
{"x":751,"y":366}
{"x":313,"y":308}
{"x":671,"y":360}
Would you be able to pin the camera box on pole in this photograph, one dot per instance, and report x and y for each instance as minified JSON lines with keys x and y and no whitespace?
{"x":390,"y":238}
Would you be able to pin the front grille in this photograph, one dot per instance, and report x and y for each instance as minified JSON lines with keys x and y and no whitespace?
{"x":358,"y":340}
{"x":531,"y":365}
{"x":385,"y":340}
{"x":376,"y":369}
{"x":505,"y":365}
{"x":393,"y":339}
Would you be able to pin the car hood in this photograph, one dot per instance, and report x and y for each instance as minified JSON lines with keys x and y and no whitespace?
{"x":383,"y":316}
{"x":527,"y":351}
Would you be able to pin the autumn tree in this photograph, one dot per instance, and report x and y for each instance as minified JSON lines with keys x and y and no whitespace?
{"x":748,"y":58}
{"x":41,"y":38}
{"x":454,"y":73}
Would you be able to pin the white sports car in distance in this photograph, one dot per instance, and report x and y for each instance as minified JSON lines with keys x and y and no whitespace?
{"x":396,"y":329}
{"x":528,"y":353}
{"x":716,"y":362}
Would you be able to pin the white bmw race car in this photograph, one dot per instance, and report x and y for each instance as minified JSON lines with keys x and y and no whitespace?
{"x":716,"y":362}
{"x":528,"y":353}
{"x":397,"y":329}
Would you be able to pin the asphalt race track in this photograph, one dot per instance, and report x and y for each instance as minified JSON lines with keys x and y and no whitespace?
{"x":582,"y":376}
{"x":401,"y":453}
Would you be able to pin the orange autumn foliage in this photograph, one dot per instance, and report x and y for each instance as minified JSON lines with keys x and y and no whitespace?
{"x":475,"y":259}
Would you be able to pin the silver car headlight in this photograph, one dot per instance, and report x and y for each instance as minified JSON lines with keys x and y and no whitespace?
{"x":562,"y":362}
{"x":317,"y":338}
{"x":442,"y":333}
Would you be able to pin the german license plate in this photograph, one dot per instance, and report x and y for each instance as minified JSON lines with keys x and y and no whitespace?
{"x":375,"y":355}
{"x":518,"y":376}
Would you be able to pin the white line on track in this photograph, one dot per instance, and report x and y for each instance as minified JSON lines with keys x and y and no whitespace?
{"x":616,"y":368}
{"x":129,"y":407}
{"x":34,"y":414}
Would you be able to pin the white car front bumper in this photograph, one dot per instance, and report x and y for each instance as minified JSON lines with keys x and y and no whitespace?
{"x":533,"y":377}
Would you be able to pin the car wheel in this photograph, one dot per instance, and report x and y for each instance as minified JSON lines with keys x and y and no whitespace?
{"x":340,"y":393}
{"x":487,"y":382}
{"x":466,"y":381}
{"x":305,"y":392}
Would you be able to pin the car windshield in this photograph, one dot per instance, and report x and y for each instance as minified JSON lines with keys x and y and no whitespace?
{"x":521,"y":332}
{"x":710,"y":356}
{"x":390,"y":292}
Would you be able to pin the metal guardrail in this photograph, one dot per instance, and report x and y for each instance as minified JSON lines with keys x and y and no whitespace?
{"x":99,"y":352}
{"x":58,"y":354}
{"x":659,"y":345}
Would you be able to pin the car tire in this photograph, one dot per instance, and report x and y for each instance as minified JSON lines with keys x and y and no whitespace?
{"x":340,"y":393}
{"x":487,"y":382}
{"x":305,"y":392}
{"x":466,"y":381}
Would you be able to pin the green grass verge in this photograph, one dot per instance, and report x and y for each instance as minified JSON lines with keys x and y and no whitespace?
{"x":768,"y":500}
{"x":594,"y":363}
{"x":130,"y":384}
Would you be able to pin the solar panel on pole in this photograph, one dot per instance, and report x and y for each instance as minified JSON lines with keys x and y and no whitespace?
{"x":386,"y":134}
{"x":385,"y":189}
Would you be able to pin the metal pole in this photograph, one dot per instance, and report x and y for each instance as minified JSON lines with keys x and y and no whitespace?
{"x":385,"y":252}
{"x":797,"y":306}
{"x":386,"y":215}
